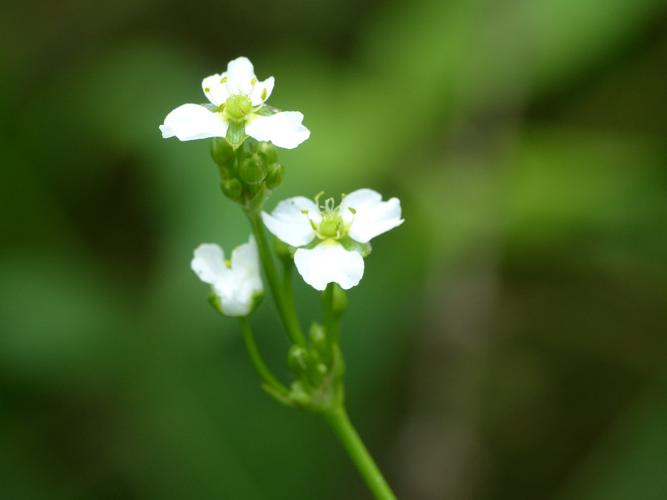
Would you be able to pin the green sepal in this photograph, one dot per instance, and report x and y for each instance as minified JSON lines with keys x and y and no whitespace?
{"x":214,"y":300}
{"x":267,"y":110}
{"x":283,"y":251}
{"x":364,"y":249}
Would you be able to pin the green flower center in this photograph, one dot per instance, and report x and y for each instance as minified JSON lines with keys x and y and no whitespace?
{"x":332,"y":225}
{"x":237,"y":107}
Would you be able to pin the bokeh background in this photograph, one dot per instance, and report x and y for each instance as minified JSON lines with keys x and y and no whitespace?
{"x":507,"y":342}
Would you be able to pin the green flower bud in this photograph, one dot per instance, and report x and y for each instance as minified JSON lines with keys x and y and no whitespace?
{"x":298,"y":359}
{"x":299,"y":396}
{"x":252,"y":170}
{"x":318,"y":337}
{"x":232,"y":189}
{"x":221,"y":152}
{"x":275,"y":176}
{"x":320,"y":345}
{"x":268,"y":152}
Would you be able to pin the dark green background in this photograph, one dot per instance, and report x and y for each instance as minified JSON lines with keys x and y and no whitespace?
{"x":507,"y":342}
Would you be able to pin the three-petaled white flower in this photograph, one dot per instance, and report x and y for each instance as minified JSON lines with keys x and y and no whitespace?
{"x":332,"y":241}
{"x":236,"y":283}
{"x":236,"y":100}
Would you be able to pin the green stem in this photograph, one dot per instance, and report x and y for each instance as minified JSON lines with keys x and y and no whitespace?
{"x":284,"y":304}
{"x":330,"y":317}
{"x":340,"y":423}
{"x":257,"y":360}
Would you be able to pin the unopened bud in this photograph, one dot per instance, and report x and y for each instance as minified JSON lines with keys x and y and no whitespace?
{"x":275,"y":176}
{"x":252,"y":170}
{"x":298,"y":359}
{"x":232,"y":189}
{"x":268,"y":151}
{"x":318,"y":337}
{"x":221,"y":152}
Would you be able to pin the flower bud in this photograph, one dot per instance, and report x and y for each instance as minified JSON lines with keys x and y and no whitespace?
{"x":298,"y":395}
{"x":232,"y":189}
{"x":318,"y":337}
{"x":275,"y":176}
{"x":252,"y":170}
{"x":268,"y":152}
{"x":221,"y":152}
{"x":298,"y":360}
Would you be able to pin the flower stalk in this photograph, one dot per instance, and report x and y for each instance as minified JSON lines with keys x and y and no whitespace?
{"x":285,"y":307}
{"x":345,"y":432}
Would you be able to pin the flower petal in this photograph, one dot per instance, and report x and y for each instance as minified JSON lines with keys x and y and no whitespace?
{"x":215,"y":88}
{"x":261,"y":91}
{"x":208,"y":262}
{"x":369,"y":216}
{"x":192,"y":121}
{"x":245,"y":266}
{"x":240,"y":75}
{"x":283,"y":129}
{"x":239,"y":286}
{"x":291,"y":220}
{"x":232,"y":301}
{"x":328,"y":263}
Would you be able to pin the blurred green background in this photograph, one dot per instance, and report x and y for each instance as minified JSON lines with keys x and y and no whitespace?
{"x":507,"y":342}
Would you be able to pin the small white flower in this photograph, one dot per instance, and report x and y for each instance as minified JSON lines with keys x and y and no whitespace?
{"x":332,"y":241}
{"x":236,"y":283}
{"x":238,"y":98}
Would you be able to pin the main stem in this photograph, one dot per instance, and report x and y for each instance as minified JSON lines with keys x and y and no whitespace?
{"x":284,"y":304}
{"x":340,"y":423}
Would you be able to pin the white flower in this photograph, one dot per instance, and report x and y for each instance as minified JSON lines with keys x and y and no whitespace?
{"x":332,"y":241}
{"x":236,"y":99}
{"x":236,"y":283}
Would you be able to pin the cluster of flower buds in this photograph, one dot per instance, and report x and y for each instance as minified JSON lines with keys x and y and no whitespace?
{"x":248,"y":173}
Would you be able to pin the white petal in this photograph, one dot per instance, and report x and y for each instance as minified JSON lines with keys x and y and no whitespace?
{"x":291,"y":220}
{"x":239,"y":286}
{"x":283,"y":129}
{"x":369,"y":216}
{"x":240,"y":75}
{"x":328,"y":263}
{"x":192,"y":121}
{"x":261,"y":91}
{"x":231,"y":300}
{"x":208,"y":262}
{"x":245,"y":266}
{"x":215,"y":88}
